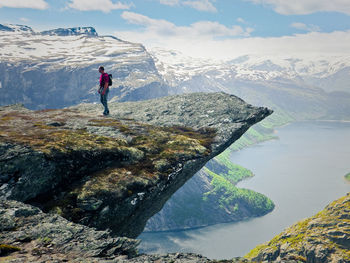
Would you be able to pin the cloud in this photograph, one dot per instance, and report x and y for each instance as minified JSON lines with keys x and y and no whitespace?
{"x":200,"y":5}
{"x":303,"y":7}
{"x":97,"y":5}
{"x":302,"y":26}
{"x":169,"y":2}
{"x":33,"y":4}
{"x":199,"y":30}
{"x":24,"y":19}
{"x":214,"y":40}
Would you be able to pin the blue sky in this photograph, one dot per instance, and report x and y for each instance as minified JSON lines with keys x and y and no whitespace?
{"x":162,"y":22}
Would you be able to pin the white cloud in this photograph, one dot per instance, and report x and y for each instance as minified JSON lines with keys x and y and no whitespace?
{"x":24,"y":19}
{"x":169,"y":2}
{"x":97,"y":5}
{"x":200,"y":30}
{"x":240,"y":20}
{"x":213,"y":40}
{"x":302,"y":26}
{"x":33,"y":4}
{"x":200,"y":5}
{"x":303,"y":7}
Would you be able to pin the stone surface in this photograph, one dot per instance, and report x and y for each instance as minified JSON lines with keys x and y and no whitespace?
{"x":323,"y":238}
{"x":50,"y":238}
{"x":115,"y":172}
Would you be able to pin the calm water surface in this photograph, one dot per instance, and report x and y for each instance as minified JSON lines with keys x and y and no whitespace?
{"x":301,"y":172}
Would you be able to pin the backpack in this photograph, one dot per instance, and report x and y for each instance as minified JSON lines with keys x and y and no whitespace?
{"x":110,"y":79}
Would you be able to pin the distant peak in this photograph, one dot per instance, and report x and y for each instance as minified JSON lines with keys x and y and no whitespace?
{"x":73,"y":31}
{"x":15,"y":28}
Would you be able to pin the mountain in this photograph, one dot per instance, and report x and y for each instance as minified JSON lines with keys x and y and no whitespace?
{"x":322,"y":238}
{"x":313,"y":87}
{"x":115,"y":172}
{"x":59,"y":68}
{"x":74,"y":31}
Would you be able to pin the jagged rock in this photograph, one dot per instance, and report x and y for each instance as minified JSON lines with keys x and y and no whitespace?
{"x":104,"y":172}
{"x":323,"y":238}
{"x":42,"y":237}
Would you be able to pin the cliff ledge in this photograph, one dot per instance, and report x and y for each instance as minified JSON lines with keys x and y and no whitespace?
{"x":114,"y":173}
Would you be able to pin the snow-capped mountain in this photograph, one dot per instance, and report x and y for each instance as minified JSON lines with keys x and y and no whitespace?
{"x":74,"y":31}
{"x":60,"y":67}
{"x":313,"y":70}
{"x":307,"y":88}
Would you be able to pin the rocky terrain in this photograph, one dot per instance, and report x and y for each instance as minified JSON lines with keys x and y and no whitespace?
{"x":66,"y":59}
{"x":38,"y":237}
{"x":28,"y":235}
{"x":115,"y":172}
{"x":322,"y":238}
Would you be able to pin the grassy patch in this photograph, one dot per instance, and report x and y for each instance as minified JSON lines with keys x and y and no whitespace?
{"x":7,"y":249}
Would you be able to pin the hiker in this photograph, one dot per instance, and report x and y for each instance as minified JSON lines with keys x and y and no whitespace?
{"x":103,"y":89}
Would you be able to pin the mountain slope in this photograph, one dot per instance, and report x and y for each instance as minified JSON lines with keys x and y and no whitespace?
{"x":59,"y":67}
{"x":322,"y":238}
{"x":304,"y":88}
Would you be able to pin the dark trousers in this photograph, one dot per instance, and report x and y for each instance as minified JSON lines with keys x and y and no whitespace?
{"x":104,"y":101}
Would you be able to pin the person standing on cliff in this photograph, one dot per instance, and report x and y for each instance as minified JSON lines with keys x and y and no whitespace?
{"x":103,"y":89}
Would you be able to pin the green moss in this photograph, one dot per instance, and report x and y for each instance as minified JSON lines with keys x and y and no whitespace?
{"x":255,"y":251}
{"x":44,"y":240}
{"x":7,"y":249}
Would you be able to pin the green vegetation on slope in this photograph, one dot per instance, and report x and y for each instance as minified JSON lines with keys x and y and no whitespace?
{"x":320,"y":238}
{"x":262,"y":131}
{"x":231,"y":198}
{"x":347,"y":177}
{"x":222,"y":166}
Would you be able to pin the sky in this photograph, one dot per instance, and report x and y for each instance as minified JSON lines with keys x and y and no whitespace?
{"x":202,"y":28}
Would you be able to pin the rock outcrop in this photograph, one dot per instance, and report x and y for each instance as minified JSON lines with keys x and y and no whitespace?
{"x":115,"y":172}
{"x":323,"y":238}
{"x":41,"y":237}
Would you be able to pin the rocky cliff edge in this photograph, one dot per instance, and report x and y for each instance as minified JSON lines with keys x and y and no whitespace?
{"x":115,"y":172}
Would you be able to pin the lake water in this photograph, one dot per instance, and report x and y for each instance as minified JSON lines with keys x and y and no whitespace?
{"x":301,"y":172}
